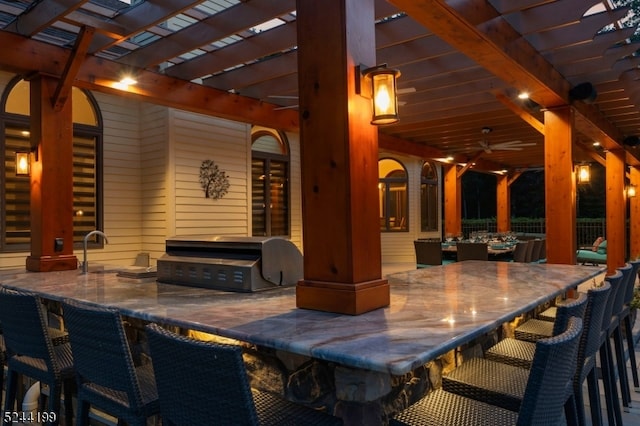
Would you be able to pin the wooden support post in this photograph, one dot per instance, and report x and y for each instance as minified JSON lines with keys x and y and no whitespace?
{"x":616,"y":210}
{"x":452,"y":200}
{"x":51,"y":181}
{"x":503,"y":200}
{"x":339,"y":146}
{"x":560,"y":186}
{"x":634,"y":215}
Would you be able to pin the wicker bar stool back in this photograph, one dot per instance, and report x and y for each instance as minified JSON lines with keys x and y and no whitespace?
{"x":106,"y":375}
{"x":32,"y":353}
{"x":542,"y":401}
{"x":535,"y":329}
{"x":206,"y":383}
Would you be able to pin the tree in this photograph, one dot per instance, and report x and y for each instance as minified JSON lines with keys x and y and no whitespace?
{"x":633,"y":17}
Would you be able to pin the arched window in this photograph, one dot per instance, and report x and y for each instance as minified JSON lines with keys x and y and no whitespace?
{"x":87,"y":145}
{"x":428,"y":198}
{"x":269,"y":183}
{"x":394,"y":204}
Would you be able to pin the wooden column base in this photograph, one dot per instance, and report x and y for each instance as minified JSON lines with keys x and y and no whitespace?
{"x":351,"y":299}
{"x":52,"y":263}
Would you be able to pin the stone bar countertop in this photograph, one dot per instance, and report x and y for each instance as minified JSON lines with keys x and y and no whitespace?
{"x":432,"y":310}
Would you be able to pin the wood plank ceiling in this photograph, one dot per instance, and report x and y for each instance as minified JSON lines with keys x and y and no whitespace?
{"x":463,"y":63}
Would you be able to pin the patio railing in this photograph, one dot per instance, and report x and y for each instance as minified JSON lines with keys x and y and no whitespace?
{"x":587,"y":229}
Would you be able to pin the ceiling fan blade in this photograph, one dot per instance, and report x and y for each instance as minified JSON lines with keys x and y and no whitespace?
{"x":405,"y":90}
{"x":286,"y":107}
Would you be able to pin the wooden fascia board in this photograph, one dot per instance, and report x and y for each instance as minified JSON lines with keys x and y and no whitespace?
{"x":74,"y":63}
{"x":495,"y":45}
{"x":21,"y":55}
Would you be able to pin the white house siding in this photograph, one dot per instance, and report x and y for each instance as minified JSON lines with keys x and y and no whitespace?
{"x":122,"y":180}
{"x":197,"y":138}
{"x":157,"y":182}
{"x":397,"y":247}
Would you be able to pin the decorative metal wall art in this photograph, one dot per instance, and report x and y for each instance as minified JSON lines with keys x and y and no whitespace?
{"x":213,"y":181}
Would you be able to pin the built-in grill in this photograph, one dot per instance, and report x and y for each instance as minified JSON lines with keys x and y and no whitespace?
{"x":243,"y":264}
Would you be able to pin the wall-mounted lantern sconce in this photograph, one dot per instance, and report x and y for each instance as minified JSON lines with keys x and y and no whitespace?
{"x":23,"y":163}
{"x":631,"y":191}
{"x":584,"y":173}
{"x":380,"y":85}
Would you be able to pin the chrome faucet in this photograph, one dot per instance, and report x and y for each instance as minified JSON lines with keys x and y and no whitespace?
{"x":85,"y":264}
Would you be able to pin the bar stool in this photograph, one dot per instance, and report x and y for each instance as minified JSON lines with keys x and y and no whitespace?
{"x":625,"y":321}
{"x":193,"y":376}
{"x":615,"y":331}
{"x":520,"y":353}
{"x":32,"y":353}
{"x":614,"y":415}
{"x":542,"y":399}
{"x":535,"y":329}
{"x":106,"y":375}
{"x":502,"y":384}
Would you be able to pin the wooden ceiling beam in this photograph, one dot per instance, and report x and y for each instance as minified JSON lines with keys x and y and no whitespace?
{"x":21,"y":55}
{"x":521,"y":112}
{"x":228,"y":22}
{"x":135,"y":20}
{"x":476,"y":29}
{"x":270,"y":42}
{"x":74,"y":62}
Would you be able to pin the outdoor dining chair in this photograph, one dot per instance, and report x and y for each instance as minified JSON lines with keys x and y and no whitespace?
{"x":428,"y":253}
{"x":203,"y":382}
{"x":542,"y":398}
{"x":105,"y":372}
{"x":472,"y":251}
{"x":520,"y":252}
{"x":31,"y":352}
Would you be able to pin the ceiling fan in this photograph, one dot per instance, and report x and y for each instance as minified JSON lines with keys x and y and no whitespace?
{"x":502,"y":146}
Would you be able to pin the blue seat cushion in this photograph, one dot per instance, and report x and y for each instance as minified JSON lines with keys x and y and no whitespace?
{"x":590,"y":256}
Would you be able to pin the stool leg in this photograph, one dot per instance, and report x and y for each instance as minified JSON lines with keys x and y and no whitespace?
{"x":622,"y":369}
{"x":632,"y":352}
{"x":614,"y":415}
{"x":594,"y":399}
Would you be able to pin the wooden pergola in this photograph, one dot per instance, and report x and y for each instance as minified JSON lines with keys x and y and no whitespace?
{"x":462,"y":61}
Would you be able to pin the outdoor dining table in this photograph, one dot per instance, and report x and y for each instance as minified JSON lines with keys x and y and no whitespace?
{"x":495,"y":248}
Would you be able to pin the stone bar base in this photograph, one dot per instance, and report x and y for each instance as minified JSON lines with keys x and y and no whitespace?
{"x":340,"y":298}
{"x":52,"y":263}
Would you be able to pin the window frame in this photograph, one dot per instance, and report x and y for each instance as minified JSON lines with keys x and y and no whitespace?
{"x":79,"y":130}
{"x":423,"y":203}
{"x":268,"y":158}
{"x":384,"y":184}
